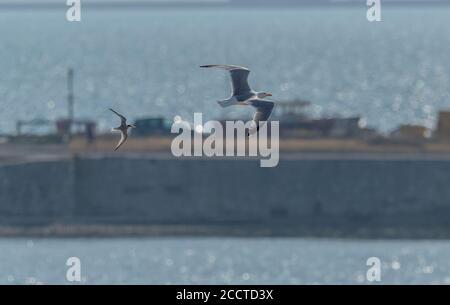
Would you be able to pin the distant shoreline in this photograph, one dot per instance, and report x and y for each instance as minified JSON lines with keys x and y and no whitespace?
{"x":223,"y":231}
{"x":158,"y":148}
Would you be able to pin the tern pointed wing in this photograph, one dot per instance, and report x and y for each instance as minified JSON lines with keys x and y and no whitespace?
{"x":123,"y":138}
{"x":123,"y":120}
{"x":239,"y":78}
{"x":263,"y":111}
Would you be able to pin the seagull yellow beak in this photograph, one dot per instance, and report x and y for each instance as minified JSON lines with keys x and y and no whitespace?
{"x":269,"y":94}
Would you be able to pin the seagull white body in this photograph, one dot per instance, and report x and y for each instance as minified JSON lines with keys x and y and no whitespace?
{"x":123,"y":128}
{"x":242,"y":94}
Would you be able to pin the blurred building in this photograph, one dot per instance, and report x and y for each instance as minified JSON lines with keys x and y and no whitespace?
{"x":410,"y":132}
{"x":152,"y":126}
{"x":295,"y":122}
{"x":76,"y":127}
{"x":443,"y":125}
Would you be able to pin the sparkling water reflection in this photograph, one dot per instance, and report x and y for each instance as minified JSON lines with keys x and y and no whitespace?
{"x":146,"y":62}
{"x":223,"y":261}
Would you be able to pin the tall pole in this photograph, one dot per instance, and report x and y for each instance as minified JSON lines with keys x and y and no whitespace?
{"x":70,"y":99}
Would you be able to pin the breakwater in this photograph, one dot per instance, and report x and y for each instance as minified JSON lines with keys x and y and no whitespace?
{"x":370,"y":197}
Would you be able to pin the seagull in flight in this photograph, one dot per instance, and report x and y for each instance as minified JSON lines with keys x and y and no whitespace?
{"x":242,"y":94}
{"x":123,"y":128}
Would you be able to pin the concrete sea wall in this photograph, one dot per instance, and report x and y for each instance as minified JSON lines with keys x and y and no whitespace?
{"x":299,"y":196}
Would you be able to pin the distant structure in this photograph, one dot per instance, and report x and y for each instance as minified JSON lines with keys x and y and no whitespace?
{"x":63,"y":126}
{"x":410,"y":132}
{"x":443,"y":125}
{"x":295,"y":122}
{"x":34,"y":124}
{"x":152,"y":126}
{"x":69,"y":126}
{"x":70,"y":100}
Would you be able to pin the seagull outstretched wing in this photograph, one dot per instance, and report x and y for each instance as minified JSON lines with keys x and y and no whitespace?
{"x":263,"y":111}
{"x":239,"y":78}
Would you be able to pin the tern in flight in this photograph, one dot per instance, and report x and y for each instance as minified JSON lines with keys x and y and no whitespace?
{"x":242,"y":94}
{"x":123,"y":128}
